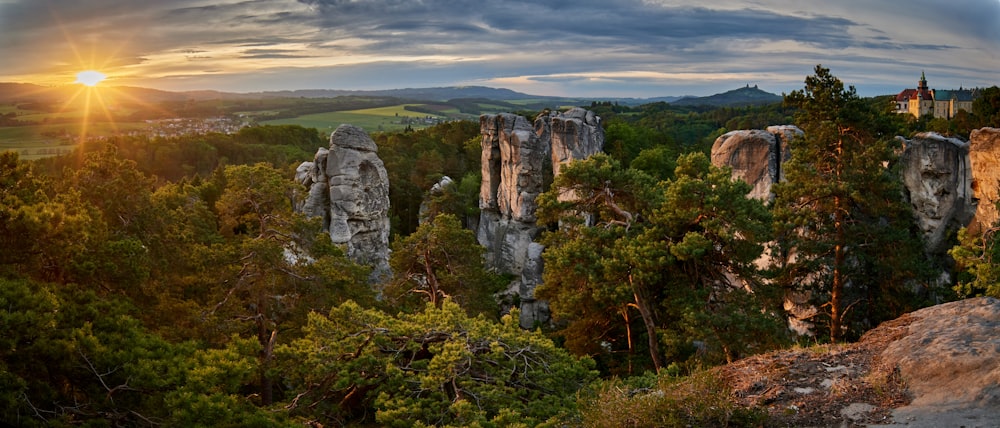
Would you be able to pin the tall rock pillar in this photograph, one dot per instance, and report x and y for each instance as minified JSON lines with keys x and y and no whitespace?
{"x":514,"y":154}
{"x":938,"y":181}
{"x":349,"y":189}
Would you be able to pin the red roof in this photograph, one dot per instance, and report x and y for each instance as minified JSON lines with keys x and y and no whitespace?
{"x":908,"y":94}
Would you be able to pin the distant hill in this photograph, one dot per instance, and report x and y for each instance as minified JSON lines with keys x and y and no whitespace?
{"x":745,"y":96}
{"x":428,"y":94}
{"x":26,"y":92}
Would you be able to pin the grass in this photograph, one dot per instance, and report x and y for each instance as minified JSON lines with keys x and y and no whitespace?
{"x":371,"y":120}
{"x":701,"y":399}
{"x":39,"y":141}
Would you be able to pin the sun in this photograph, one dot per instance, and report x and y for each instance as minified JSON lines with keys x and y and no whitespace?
{"x":89,"y":77}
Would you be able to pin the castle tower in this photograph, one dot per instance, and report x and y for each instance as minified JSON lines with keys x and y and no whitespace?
{"x":922,"y":85}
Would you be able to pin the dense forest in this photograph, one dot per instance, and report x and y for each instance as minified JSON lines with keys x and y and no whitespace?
{"x":169,"y":282}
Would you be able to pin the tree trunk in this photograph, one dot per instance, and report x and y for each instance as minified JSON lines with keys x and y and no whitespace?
{"x":647,"y":320}
{"x":628,"y":336}
{"x":432,"y":282}
{"x":837,"y":288}
{"x":266,"y":354}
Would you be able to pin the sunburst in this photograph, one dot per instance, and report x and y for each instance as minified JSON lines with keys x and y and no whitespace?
{"x":90,"y":77}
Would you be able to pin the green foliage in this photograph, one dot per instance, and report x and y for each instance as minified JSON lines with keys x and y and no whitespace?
{"x":417,"y":160}
{"x":460,"y":198}
{"x":441,"y":260}
{"x":71,"y":358}
{"x":701,"y":399}
{"x":840,"y":209}
{"x":659,"y":162}
{"x":435,"y":367}
{"x":986,"y":108}
{"x":976,"y":256}
{"x":173,"y":158}
{"x":624,"y":141}
{"x":634,"y":255}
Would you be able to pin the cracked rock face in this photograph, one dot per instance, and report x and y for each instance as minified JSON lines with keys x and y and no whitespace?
{"x":575,"y":134}
{"x":938,"y":180}
{"x":514,"y":154}
{"x":349,"y":189}
{"x":755,"y":156}
{"x":984,"y":157}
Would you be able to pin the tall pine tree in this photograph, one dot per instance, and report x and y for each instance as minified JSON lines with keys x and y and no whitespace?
{"x":840,"y":217}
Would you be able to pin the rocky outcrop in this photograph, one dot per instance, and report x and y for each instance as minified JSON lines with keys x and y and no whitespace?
{"x":938,"y":185}
{"x":935,"y":367}
{"x":984,"y":157}
{"x":755,"y":156}
{"x":575,"y":134}
{"x":514,"y":156}
{"x":949,"y":355}
{"x":349,"y":189}
{"x":512,"y":160}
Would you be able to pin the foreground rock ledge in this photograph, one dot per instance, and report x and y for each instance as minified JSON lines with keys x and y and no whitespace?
{"x":935,"y":367}
{"x":950,"y":361}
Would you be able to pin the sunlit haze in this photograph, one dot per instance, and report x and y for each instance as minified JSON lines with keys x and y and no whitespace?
{"x":623,"y":48}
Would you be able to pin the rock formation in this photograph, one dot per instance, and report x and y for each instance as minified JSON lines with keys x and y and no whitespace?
{"x":949,"y":355}
{"x":755,"y":156}
{"x":984,"y":157}
{"x":349,"y":189}
{"x":514,"y":157}
{"x":938,"y":182}
{"x":512,"y":161}
{"x":575,"y":134}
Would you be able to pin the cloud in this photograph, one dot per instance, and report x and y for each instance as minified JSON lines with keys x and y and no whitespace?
{"x":636,"y":46}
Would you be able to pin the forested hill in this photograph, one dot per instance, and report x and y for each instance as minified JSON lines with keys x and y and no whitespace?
{"x":21,"y":92}
{"x":746,"y":96}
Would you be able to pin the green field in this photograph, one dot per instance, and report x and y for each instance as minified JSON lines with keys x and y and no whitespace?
{"x":39,"y":141}
{"x":381,"y":119}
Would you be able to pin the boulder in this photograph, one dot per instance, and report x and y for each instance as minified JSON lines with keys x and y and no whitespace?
{"x":949,"y":357}
{"x":937,"y":180}
{"x":984,"y":158}
{"x":349,"y":189}
{"x":755,"y":156}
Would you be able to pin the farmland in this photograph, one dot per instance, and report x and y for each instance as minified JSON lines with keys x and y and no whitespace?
{"x":377,"y":119}
{"x":39,"y":123}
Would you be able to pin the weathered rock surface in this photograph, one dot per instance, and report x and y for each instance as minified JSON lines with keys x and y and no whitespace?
{"x":938,"y":182}
{"x":349,"y":188}
{"x":935,"y":367}
{"x":755,"y":156}
{"x":512,"y":161}
{"x":751,"y":155}
{"x":950,"y":359}
{"x":984,"y":157}
{"x":575,"y":134}
{"x":514,"y":156}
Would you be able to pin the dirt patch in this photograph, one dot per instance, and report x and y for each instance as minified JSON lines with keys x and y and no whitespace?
{"x":826,"y":385}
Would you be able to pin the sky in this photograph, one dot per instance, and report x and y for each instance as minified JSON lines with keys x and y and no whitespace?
{"x":572,"y":48}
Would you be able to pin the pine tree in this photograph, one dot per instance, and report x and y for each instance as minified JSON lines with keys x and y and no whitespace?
{"x":840,"y":217}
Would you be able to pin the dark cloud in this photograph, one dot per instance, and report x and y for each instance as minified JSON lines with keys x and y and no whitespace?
{"x":562,"y":46}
